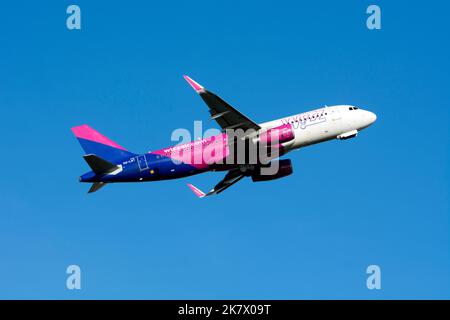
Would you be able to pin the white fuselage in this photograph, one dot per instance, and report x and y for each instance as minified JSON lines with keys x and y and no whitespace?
{"x":327,"y":123}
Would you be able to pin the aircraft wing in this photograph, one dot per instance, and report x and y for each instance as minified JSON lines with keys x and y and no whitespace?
{"x":226,"y":116}
{"x":230,"y":178}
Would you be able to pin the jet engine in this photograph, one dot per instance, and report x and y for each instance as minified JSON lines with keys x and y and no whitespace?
{"x":284,"y":169}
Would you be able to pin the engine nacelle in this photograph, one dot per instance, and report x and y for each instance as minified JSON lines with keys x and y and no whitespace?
{"x":284,"y":169}
{"x":280,"y":134}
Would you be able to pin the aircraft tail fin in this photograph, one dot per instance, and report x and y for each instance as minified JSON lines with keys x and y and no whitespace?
{"x":93,"y":142}
{"x":96,"y":186}
{"x":99,"y":165}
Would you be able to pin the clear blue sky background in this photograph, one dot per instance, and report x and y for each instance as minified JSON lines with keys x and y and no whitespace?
{"x":382,"y":198}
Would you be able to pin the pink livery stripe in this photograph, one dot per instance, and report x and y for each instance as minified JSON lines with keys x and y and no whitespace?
{"x":197,"y":87}
{"x":200,"y":153}
{"x":199,"y":193}
{"x":87,"y":133}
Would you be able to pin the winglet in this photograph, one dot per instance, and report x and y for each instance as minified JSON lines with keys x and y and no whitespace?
{"x":199,"y":193}
{"x":197,"y":87}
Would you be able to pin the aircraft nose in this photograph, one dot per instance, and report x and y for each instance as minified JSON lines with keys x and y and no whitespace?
{"x":372,"y":117}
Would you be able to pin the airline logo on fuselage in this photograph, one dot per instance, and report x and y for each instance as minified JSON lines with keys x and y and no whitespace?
{"x":195,"y":144}
{"x":306,"y":119}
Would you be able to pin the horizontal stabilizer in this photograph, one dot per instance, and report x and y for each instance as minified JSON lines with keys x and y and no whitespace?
{"x":99,"y":165}
{"x":96,"y":186}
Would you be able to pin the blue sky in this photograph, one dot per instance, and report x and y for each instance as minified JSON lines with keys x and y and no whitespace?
{"x":382,"y":198}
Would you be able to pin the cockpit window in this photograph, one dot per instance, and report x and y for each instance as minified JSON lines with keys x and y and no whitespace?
{"x":353,"y":108}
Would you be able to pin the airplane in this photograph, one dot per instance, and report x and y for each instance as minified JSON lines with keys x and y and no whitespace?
{"x":112,"y":163}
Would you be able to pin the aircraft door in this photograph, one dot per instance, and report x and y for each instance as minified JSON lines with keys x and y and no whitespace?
{"x":335,"y":115}
{"x":142,"y":162}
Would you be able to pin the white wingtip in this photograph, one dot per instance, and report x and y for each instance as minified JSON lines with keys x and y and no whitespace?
{"x":199,"y":193}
